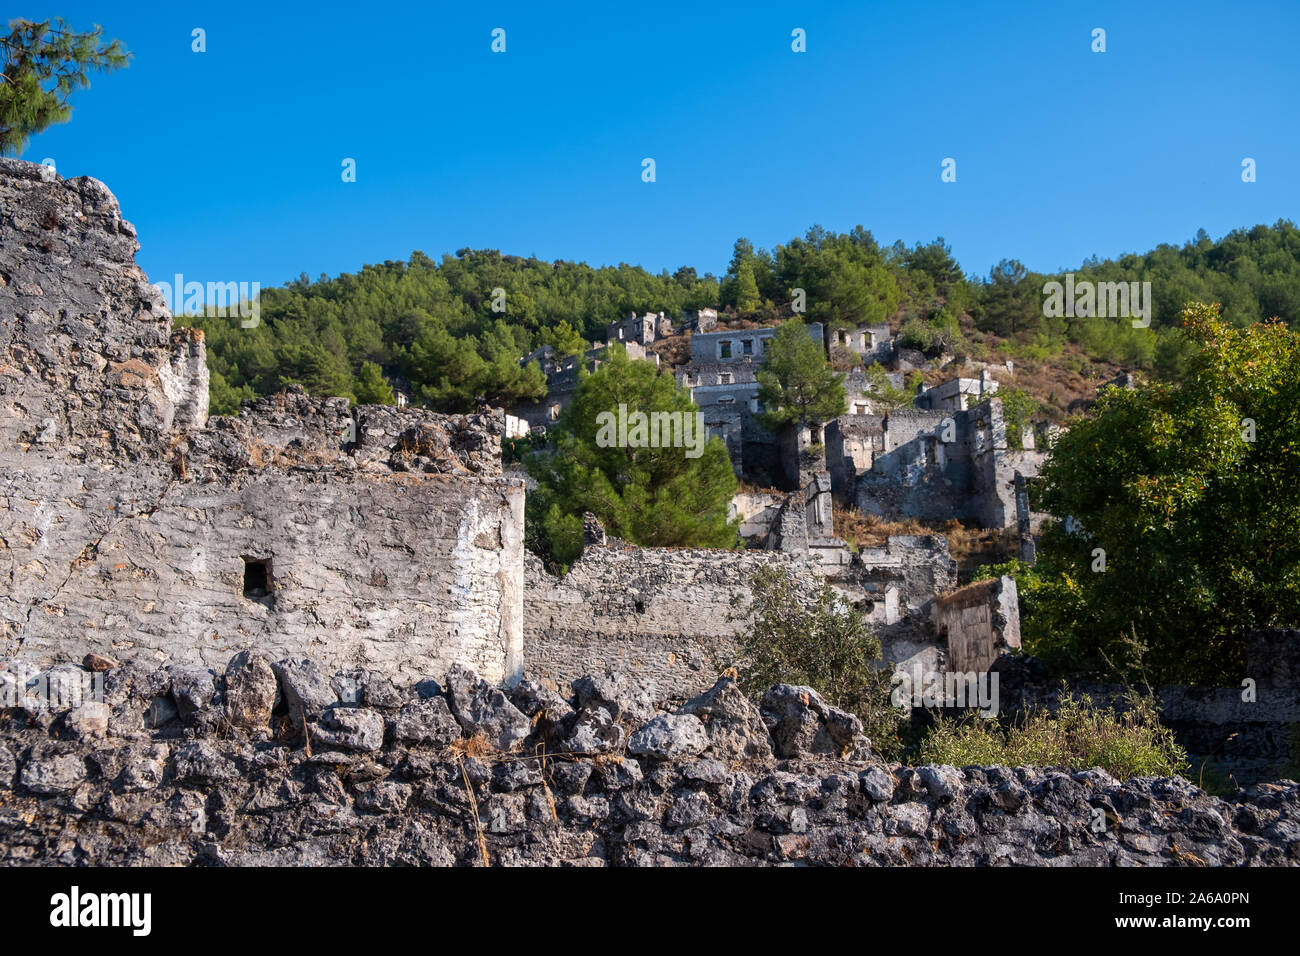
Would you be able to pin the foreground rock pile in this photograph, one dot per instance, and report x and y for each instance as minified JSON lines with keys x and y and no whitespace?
{"x":280,"y":763}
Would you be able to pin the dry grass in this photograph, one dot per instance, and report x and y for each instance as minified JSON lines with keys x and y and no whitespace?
{"x":673,"y":350}
{"x":970,"y":546}
{"x":747,"y":488}
{"x":475,"y":746}
{"x":473,"y":806}
{"x":870,"y":531}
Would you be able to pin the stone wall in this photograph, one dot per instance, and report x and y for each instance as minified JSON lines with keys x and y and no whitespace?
{"x":920,"y":474}
{"x":659,"y":613}
{"x":88,"y":359}
{"x":185,"y":767}
{"x":132,"y":526}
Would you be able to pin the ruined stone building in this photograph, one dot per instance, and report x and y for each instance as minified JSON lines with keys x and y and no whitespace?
{"x":132,"y":525}
{"x":931,"y":464}
{"x":698,"y":320}
{"x":874,"y":343}
{"x":956,"y":395}
{"x":562,"y":373}
{"x":640,"y":329}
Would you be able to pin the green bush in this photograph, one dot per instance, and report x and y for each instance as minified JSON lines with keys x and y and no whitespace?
{"x":820,"y":642}
{"x":1079,"y":736}
{"x":916,"y":334}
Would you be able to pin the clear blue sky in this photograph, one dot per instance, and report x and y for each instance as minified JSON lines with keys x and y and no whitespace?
{"x":228,"y":162}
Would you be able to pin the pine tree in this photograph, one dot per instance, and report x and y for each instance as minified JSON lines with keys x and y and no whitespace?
{"x":795,"y":384}
{"x":44,"y":63}
{"x":372,"y":388}
{"x":651,"y":496}
{"x":747,"y":297}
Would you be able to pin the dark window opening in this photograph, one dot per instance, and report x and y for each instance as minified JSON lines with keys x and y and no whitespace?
{"x":257,"y":578}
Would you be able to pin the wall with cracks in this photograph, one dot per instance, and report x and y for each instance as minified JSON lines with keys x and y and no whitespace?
{"x":131,"y":525}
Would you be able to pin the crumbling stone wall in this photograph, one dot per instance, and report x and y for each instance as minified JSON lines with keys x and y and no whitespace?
{"x":88,"y":359}
{"x":659,"y":613}
{"x":920,"y":475}
{"x":130,"y":524}
{"x":285,"y":764}
{"x":894,"y":586}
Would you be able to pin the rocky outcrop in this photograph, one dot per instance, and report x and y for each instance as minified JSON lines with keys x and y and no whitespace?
{"x":89,"y":364}
{"x":279,"y":763}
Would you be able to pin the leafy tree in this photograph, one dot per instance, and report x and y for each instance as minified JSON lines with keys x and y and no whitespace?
{"x":1012,"y":300}
{"x":651,"y":496}
{"x":1191,"y":493}
{"x":223,"y":399}
{"x":819,"y":641}
{"x":884,"y":396}
{"x":564,"y":339}
{"x":916,"y":334}
{"x":1017,"y":408}
{"x":372,"y":387}
{"x":795,"y":384}
{"x":45,"y":62}
{"x":315,"y":368}
{"x":844,"y":276}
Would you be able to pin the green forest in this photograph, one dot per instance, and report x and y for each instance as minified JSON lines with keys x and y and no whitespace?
{"x":429,"y":327}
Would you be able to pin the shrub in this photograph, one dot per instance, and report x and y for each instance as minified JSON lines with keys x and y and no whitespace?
{"x":916,"y":334}
{"x":1079,"y":736}
{"x":820,"y":642}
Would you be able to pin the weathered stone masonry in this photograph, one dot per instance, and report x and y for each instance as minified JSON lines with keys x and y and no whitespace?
{"x":663,"y":614}
{"x":192,"y":768}
{"x":131,"y":526}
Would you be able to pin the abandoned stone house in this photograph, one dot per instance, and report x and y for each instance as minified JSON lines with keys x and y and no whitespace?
{"x":369,"y":537}
{"x":874,"y":343}
{"x":931,"y":464}
{"x":698,"y":320}
{"x":562,"y":374}
{"x":956,"y":395}
{"x":640,"y":329}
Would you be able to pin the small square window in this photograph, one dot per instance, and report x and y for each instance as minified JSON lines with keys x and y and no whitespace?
{"x":257,"y":578}
{"x":748,"y":346}
{"x":724,"y":350}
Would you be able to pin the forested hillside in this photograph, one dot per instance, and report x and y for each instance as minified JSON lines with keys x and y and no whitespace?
{"x":430,"y":326}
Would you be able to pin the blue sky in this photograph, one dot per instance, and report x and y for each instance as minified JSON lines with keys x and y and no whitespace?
{"x":228,"y":162}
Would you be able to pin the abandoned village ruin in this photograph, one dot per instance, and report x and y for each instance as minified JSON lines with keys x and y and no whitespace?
{"x":389,"y":537}
{"x":362,"y":569}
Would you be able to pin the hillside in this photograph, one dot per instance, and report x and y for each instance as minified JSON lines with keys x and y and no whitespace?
{"x":428,"y":327}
